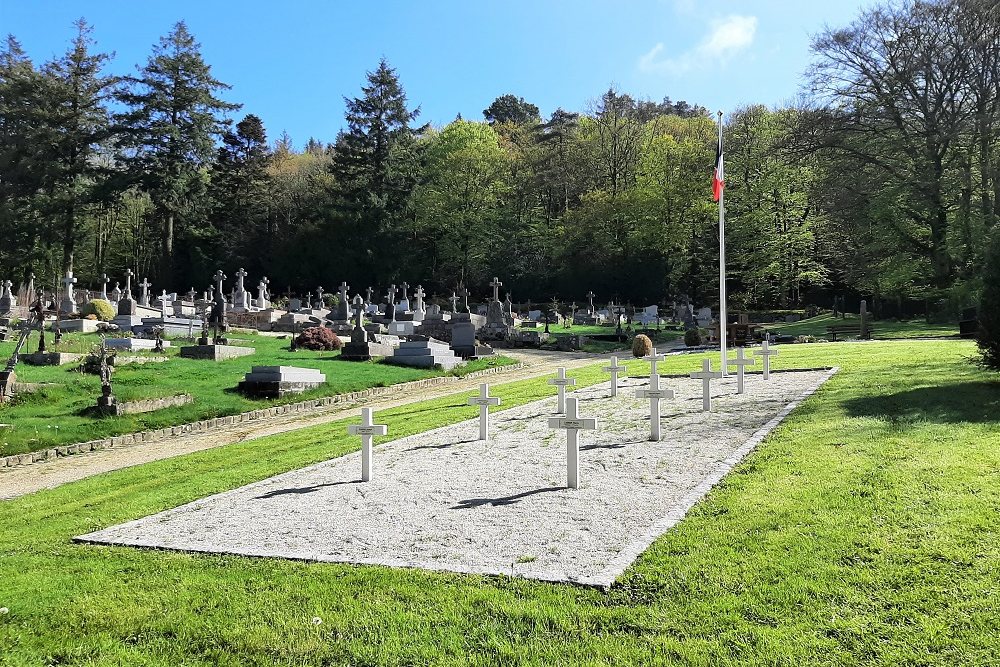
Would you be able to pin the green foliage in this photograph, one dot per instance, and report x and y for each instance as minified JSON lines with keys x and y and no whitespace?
{"x":692,"y":337}
{"x":642,"y":346}
{"x":101,"y":309}
{"x":988,"y":337}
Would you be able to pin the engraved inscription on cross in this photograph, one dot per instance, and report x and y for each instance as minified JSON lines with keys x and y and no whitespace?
{"x":484,"y":401}
{"x":561,"y":382}
{"x":572,"y":423}
{"x":367,"y":429}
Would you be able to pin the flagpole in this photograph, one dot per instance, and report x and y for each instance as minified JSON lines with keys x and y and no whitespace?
{"x":723,"y":320}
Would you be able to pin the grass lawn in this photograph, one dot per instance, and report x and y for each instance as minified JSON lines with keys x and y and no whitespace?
{"x":864,"y":530}
{"x":668,"y":334}
{"x":55,"y":415}
{"x":816,"y":326}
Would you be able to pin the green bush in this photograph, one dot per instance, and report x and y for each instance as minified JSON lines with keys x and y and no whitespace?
{"x":692,"y":337}
{"x":988,"y":336}
{"x":642,"y":346}
{"x":99,"y":308}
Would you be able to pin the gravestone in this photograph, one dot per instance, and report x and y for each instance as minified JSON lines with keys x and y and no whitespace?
{"x":765,"y":353}
{"x":7,"y":300}
{"x":614,"y":368}
{"x":484,"y":401}
{"x":706,"y":375}
{"x":263,"y":301}
{"x":343,"y":303}
{"x":277,"y":381}
{"x":68,"y":304}
{"x":572,"y":423}
{"x":425,"y":352}
{"x":741,"y":361}
{"x":364,"y":344}
{"x":561,"y":382}
{"x":104,"y":286}
{"x":367,"y":429}
{"x":144,"y":294}
{"x":655,"y":394}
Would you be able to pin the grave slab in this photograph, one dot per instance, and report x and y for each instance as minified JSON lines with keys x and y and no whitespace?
{"x":215,"y":352}
{"x":445,"y":500}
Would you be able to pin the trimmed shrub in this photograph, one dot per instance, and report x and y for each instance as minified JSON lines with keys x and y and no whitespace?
{"x":692,"y":337}
{"x":318,"y":338}
{"x":988,"y":336}
{"x":99,"y":308}
{"x":642,"y":346}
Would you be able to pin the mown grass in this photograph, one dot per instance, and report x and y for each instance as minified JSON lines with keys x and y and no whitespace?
{"x":59,"y":414}
{"x":816,"y":326}
{"x":863,"y":531}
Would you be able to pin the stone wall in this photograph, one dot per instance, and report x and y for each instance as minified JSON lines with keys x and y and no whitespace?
{"x":302,"y":407}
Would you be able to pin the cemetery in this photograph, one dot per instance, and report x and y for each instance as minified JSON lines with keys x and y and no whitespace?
{"x":298,"y":372}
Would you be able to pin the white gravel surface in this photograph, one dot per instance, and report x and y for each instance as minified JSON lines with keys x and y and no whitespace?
{"x":443,"y":500}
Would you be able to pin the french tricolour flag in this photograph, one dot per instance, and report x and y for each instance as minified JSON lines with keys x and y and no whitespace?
{"x":719,"y":176}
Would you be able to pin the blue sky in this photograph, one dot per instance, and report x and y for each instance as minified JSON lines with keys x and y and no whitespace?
{"x":292,"y":62}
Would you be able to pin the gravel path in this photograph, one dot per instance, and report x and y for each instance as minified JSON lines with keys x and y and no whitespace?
{"x":443,"y":500}
{"x":22,"y":480}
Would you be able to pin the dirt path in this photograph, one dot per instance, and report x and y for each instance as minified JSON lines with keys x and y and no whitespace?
{"x":22,"y":480}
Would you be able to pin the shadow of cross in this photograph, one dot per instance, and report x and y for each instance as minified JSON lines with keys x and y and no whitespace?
{"x":472,"y":503}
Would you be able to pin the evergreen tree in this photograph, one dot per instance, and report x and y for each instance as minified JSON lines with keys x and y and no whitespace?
{"x":989,"y":306}
{"x":375,"y":164}
{"x":240,"y":187}
{"x":169,"y":133}
{"x":511,"y":109}
{"x":80,"y":127}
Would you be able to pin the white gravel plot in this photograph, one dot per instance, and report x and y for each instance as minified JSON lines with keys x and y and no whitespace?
{"x":443,"y":500}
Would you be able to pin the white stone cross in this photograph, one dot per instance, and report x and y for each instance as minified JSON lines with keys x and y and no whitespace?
{"x":484,"y":401}
{"x":740,"y":361}
{"x":343,"y":291}
{"x":706,"y":375}
{"x":653,"y":358}
{"x":496,"y":285}
{"x":454,"y":302}
{"x":164,"y":300}
{"x":128,"y":283}
{"x":262,"y":291}
{"x":615,"y":368}
{"x":240,"y":275}
{"x":573,"y":424}
{"x":419,"y":295}
{"x":766,"y":352}
{"x":144,"y":296}
{"x":561,"y":381}
{"x":68,"y":283}
{"x":367,"y":429}
{"x":319,"y":295}
{"x":590,"y":296}
{"x":655,"y":394}
{"x":104,"y":286}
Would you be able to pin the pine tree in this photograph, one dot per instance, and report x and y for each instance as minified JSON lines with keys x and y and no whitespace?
{"x":375,"y":164}
{"x":170,"y":131}
{"x":989,"y":306}
{"x":79,"y":123}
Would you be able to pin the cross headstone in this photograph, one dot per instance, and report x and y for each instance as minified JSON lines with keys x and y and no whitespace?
{"x":655,"y":394}
{"x":191,"y":295}
{"x":218,"y":278}
{"x":262,"y":293}
{"x":464,"y":293}
{"x":390,"y":296}
{"x":572,"y":311}
{"x":128,"y":283}
{"x":484,"y":401}
{"x":590,"y":297}
{"x":706,"y":375}
{"x":358,"y":306}
{"x":144,"y":295}
{"x":740,"y":362}
{"x":653,"y":358}
{"x":561,"y":382}
{"x":68,"y":304}
{"x":419,"y":294}
{"x":104,"y":286}
{"x":496,"y":285}
{"x":454,"y":303}
{"x":367,"y":429}
{"x":7,"y":299}
{"x":343,"y":291}
{"x":368,"y":295}
{"x":615,"y":368}
{"x":572,"y":423}
{"x":164,"y":302}
{"x":765,"y":353}
{"x":116,"y":293}
{"x":404,"y":287}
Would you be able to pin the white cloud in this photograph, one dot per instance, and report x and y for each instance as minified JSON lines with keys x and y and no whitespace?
{"x":726,"y":38}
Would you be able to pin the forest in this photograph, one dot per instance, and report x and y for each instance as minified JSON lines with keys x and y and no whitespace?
{"x":881,"y":181}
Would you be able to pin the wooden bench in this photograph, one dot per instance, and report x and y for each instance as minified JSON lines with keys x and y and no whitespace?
{"x":846,"y":329}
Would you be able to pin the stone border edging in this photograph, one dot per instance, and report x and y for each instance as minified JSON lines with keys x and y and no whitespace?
{"x":314,"y":405}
